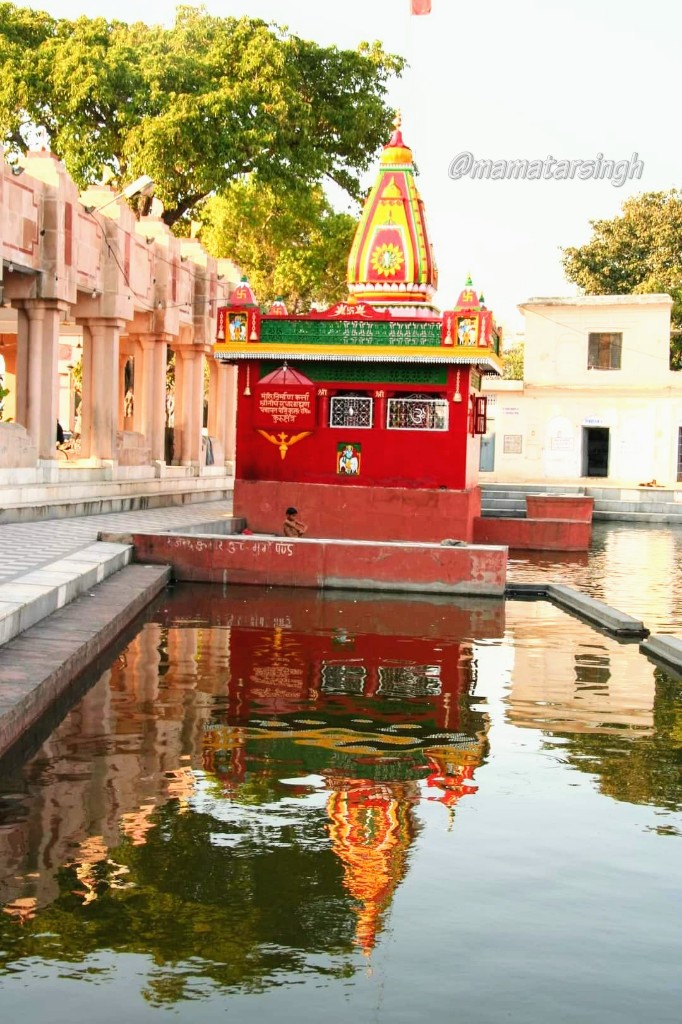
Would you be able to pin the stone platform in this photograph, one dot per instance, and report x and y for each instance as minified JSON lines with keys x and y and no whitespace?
{"x":324,"y":563}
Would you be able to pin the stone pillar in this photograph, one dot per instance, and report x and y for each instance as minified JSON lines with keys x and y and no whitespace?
{"x":189,"y":407}
{"x":37,"y":361}
{"x":158,"y":439}
{"x":379,"y":420}
{"x":149,"y":417}
{"x":323,"y":407}
{"x":101,"y":400}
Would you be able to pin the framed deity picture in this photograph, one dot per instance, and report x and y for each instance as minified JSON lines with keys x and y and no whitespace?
{"x":237,"y":326}
{"x":348,"y":457}
{"x":467,"y":330}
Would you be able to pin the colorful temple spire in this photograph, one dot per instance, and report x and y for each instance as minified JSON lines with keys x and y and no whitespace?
{"x":391,"y":264}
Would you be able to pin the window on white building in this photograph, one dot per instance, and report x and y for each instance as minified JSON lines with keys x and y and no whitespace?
{"x":604,"y":351}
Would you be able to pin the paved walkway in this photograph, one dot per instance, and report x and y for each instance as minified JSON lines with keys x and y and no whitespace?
{"x":28,"y":546}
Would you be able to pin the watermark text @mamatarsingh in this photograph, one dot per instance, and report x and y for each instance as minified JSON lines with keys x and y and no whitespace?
{"x":465,"y":165}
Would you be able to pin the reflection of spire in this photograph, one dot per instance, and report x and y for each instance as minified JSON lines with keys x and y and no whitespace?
{"x":372,"y":828}
{"x":452,"y":772}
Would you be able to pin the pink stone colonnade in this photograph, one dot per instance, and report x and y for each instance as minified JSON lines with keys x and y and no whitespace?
{"x":85,"y":270}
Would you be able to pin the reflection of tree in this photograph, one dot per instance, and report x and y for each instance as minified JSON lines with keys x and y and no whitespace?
{"x":638,"y":769}
{"x":243,"y":912}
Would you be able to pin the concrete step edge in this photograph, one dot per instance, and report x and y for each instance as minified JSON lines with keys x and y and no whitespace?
{"x":27,"y":599}
{"x":67,"y":647}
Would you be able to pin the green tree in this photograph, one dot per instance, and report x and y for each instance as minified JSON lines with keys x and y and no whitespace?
{"x":196,"y":106}
{"x":289,"y":243}
{"x":637,"y":769}
{"x":638,"y":252}
{"x":3,"y":395}
{"x":513,"y":362}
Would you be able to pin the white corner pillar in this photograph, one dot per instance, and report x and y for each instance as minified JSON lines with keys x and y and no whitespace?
{"x":101,"y":400}
{"x":189,"y":404}
{"x":37,"y":377}
{"x":230,"y":407}
{"x":222,"y":391}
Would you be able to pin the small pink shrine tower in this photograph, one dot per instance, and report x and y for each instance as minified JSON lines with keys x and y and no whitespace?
{"x":366,"y":416}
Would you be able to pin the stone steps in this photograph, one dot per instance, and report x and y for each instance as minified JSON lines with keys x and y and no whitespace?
{"x":61,"y":505}
{"x":27,"y":599}
{"x":617,"y":504}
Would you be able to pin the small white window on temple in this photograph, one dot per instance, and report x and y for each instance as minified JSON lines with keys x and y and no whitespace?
{"x":417,"y":412}
{"x":350,"y":411}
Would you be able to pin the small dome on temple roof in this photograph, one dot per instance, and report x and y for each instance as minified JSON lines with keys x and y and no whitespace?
{"x":468,"y":299}
{"x":243,"y":294}
{"x":278,"y":308}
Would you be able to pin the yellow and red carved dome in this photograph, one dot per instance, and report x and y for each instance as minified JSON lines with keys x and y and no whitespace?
{"x":391,"y":259}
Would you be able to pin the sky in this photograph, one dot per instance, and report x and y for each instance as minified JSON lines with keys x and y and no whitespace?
{"x":502,"y":81}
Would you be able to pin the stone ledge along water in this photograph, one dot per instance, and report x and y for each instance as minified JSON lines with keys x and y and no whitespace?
{"x":38,"y":666}
{"x":299,"y":562}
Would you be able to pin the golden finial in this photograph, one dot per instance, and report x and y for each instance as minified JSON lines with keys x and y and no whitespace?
{"x":397,"y":120}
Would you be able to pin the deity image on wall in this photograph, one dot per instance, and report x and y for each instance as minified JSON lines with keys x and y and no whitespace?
{"x":348,"y":459}
{"x":237,"y":326}
{"x":466,"y":331}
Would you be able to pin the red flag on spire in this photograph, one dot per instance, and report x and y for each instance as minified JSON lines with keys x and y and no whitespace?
{"x":420,"y":6}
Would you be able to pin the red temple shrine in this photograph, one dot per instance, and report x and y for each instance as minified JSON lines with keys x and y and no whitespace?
{"x":366,"y":416}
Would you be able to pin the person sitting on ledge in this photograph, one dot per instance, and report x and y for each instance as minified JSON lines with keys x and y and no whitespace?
{"x":293,"y":527}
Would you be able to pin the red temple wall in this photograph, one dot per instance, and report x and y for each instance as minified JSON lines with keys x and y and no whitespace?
{"x":389,"y":458}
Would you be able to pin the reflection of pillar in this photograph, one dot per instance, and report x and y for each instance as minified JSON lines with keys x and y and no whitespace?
{"x":189,"y":386}
{"x":37,"y":382}
{"x":100,"y":401}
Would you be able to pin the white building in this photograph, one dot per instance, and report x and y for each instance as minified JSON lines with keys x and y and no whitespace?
{"x":598,"y":402}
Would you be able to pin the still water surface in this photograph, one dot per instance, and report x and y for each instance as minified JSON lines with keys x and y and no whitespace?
{"x":635,"y":567}
{"x":295,"y":806}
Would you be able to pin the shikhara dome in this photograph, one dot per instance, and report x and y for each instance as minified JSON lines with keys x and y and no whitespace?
{"x":391,"y":263}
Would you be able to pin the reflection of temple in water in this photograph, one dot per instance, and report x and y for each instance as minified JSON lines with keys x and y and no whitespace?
{"x":373,"y":695}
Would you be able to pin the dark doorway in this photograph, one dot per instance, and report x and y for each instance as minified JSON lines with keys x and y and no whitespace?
{"x":595,"y":451}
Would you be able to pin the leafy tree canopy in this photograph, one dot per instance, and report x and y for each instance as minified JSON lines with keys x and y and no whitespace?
{"x":513,"y":362}
{"x":195,"y":106}
{"x":289,"y":244}
{"x":638,"y":252}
